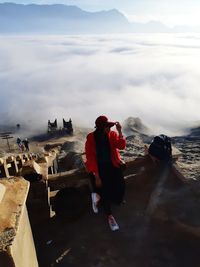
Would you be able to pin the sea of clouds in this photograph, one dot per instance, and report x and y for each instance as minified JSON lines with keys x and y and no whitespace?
{"x":152,"y":76}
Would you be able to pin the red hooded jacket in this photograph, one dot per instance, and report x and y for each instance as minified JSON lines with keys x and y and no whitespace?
{"x":90,"y":149}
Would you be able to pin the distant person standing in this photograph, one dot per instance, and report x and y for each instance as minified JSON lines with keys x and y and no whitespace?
{"x":26,"y":144}
{"x":103,"y":164}
{"x":20,"y":144}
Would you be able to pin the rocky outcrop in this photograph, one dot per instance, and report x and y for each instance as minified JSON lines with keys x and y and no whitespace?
{"x":132,"y":126}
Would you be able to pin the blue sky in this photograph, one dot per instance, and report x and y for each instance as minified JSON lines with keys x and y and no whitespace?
{"x":170,"y":12}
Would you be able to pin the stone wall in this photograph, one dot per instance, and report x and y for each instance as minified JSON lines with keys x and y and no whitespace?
{"x":16,"y":242}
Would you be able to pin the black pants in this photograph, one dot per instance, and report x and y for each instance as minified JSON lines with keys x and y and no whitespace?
{"x":113,"y":186}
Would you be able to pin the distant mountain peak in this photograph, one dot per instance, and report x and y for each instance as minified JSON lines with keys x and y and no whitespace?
{"x":59,"y":18}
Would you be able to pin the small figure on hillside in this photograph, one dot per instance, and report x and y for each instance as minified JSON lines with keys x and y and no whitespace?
{"x":104,"y":166}
{"x":20,"y":144}
{"x":26,"y":144}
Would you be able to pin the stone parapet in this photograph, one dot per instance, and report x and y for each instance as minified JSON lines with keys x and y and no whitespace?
{"x":16,"y":242}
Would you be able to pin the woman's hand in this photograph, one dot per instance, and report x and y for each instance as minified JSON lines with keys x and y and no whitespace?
{"x":118,"y":126}
{"x":119,"y":129}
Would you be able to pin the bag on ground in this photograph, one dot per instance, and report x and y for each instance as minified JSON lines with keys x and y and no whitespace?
{"x":161,"y":147}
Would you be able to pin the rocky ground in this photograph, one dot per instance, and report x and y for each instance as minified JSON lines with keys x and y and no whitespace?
{"x":189,"y":161}
{"x":137,"y":136}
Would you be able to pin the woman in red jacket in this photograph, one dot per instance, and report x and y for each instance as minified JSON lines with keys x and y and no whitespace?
{"x":103,"y":163}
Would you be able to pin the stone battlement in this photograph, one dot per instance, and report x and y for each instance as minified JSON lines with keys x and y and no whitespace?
{"x":12,"y":164}
{"x":15,"y":231}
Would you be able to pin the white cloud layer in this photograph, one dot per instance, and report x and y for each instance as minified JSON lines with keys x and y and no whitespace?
{"x":155,"y":77}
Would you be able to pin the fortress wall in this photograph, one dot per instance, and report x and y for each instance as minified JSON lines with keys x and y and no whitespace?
{"x":23,"y":249}
{"x":10,"y":165}
{"x":17,"y":247}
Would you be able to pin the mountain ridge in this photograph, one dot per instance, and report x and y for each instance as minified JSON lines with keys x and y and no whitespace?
{"x":58,"y":17}
{"x":61,"y":18}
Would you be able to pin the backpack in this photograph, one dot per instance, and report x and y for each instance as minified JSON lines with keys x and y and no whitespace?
{"x":161,"y":148}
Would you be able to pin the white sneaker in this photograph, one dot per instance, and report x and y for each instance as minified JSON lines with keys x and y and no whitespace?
{"x":95,"y":200}
{"x":112,"y":223}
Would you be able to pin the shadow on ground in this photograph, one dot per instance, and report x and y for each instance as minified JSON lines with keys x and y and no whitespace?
{"x":140,"y":242}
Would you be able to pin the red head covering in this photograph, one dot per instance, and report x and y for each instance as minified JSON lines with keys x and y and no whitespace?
{"x":102,"y":122}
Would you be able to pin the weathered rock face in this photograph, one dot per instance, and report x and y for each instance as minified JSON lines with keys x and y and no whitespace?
{"x":189,"y":161}
{"x":70,"y":156}
{"x":135,"y":125}
{"x":69,"y":160}
{"x":134,"y":147}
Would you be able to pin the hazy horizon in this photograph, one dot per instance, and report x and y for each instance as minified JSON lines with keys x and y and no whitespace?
{"x":171,"y":13}
{"x":151,"y":76}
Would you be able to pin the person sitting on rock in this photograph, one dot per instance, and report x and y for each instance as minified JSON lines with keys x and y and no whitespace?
{"x":103,"y":163}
